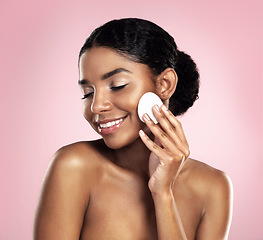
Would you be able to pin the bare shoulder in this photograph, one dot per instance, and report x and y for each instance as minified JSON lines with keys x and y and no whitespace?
{"x":78,"y":163}
{"x":74,"y":164}
{"x":66,"y":190}
{"x":81,"y":152}
{"x":206,"y":179}
{"x":204,"y":172}
{"x":80,"y":156}
{"x":214,"y":190}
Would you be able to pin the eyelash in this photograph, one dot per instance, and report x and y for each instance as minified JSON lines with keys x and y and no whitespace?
{"x":119,"y":87}
{"x":86,"y":95}
{"x":112,"y":88}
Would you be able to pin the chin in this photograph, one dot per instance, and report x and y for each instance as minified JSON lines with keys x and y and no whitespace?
{"x":117,"y":143}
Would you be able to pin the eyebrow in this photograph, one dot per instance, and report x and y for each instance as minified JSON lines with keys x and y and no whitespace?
{"x":115,"y":71}
{"x":106,"y":75}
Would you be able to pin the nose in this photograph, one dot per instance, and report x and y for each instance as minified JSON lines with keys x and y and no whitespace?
{"x":100,"y":103}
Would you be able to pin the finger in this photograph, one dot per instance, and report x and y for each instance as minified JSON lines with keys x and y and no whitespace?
{"x":169,"y":132}
{"x":166,"y":125}
{"x":177,"y":152}
{"x":175,"y":123}
{"x":164,"y":156}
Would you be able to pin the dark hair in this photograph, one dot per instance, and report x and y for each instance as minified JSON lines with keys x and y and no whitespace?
{"x":145,"y":42}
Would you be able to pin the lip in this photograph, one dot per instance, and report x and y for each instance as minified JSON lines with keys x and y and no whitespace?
{"x":109,"y":120}
{"x":117,"y":122}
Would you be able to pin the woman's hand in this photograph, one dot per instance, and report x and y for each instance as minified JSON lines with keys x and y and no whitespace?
{"x":170,"y":150}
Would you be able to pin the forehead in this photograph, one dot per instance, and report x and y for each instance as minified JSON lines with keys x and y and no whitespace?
{"x":100,"y":60}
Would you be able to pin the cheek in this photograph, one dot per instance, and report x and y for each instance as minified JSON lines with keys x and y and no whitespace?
{"x":129,"y":104}
{"x":131,"y":99}
{"x":87,"y":111}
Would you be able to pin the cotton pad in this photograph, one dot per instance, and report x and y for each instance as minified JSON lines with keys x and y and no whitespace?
{"x":146,"y":103}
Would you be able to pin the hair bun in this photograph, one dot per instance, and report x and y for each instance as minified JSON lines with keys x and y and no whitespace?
{"x":188,"y":84}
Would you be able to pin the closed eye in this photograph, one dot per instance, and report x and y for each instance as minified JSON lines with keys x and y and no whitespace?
{"x":118,"y":87}
{"x":112,"y":88}
{"x":87,"y":95}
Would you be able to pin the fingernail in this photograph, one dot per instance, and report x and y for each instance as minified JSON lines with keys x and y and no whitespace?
{"x":142,"y":133}
{"x":146,"y":116}
{"x":156,"y":107}
{"x":164,"y":108}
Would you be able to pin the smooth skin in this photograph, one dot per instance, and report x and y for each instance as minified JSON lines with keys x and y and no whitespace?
{"x":137,"y":182}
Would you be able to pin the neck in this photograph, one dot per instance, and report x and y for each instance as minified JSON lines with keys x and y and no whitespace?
{"x":134,"y":157}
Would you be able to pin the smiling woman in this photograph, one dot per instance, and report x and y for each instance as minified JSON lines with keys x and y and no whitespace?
{"x":112,"y":93}
{"x":138,"y":181}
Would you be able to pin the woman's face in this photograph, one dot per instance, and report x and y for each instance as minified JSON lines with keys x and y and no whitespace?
{"x":112,"y":86}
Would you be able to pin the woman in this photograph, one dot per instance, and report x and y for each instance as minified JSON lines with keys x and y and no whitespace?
{"x":138,"y":181}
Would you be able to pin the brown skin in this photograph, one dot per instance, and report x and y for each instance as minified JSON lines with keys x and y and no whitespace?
{"x":131,"y":185}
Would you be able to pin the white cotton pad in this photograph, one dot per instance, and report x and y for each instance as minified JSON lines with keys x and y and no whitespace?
{"x":146,"y":103}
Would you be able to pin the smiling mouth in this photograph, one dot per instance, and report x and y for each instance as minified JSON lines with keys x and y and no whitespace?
{"x":110,"y":124}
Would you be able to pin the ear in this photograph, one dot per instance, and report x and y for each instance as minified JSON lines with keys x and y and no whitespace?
{"x":166,"y":83}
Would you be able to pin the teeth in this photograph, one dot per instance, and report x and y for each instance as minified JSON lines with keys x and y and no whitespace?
{"x":110,"y":124}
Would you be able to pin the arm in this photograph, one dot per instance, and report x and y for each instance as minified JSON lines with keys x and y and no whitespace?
{"x":169,"y":223}
{"x":215,"y":223}
{"x":216,"y":220}
{"x":169,"y":153}
{"x":63,"y":199}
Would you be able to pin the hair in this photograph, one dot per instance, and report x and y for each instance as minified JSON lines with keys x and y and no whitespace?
{"x":145,"y":42}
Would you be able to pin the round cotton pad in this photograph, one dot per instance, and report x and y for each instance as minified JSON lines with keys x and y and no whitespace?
{"x":146,"y":103}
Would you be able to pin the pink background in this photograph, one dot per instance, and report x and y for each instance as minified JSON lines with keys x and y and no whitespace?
{"x":41,"y":108}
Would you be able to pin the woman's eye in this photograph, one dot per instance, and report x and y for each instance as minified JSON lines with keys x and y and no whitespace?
{"x":87,"y":95}
{"x":118,"y":87}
